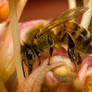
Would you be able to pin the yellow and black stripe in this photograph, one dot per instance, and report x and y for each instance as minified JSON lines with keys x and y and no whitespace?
{"x":81,"y":37}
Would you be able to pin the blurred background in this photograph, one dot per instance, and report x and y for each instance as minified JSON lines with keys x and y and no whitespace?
{"x":46,"y":9}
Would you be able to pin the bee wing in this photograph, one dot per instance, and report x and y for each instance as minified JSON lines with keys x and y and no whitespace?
{"x":64,"y":17}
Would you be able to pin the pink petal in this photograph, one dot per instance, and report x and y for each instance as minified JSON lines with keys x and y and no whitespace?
{"x":86,"y":67}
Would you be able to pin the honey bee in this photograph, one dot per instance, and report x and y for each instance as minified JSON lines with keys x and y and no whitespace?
{"x":61,"y":30}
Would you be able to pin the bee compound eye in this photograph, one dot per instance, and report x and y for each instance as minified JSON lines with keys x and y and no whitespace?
{"x":29,"y":54}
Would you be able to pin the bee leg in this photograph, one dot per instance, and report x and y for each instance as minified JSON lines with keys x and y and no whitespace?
{"x":37,"y":53}
{"x":73,"y":54}
{"x":50,"y":55}
{"x":23,"y":67}
{"x":50,"y":41}
{"x":27,"y":69}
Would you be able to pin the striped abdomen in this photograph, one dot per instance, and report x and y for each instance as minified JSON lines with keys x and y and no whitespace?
{"x":81,"y":37}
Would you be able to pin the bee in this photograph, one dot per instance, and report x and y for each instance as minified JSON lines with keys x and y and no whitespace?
{"x":61,"y":30}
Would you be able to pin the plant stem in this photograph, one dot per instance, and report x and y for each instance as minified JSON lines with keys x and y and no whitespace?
{"x":16,"y":40}
{"x":87,"y":15}
{"x":72,"y":3}
{"x":20,"y":6}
